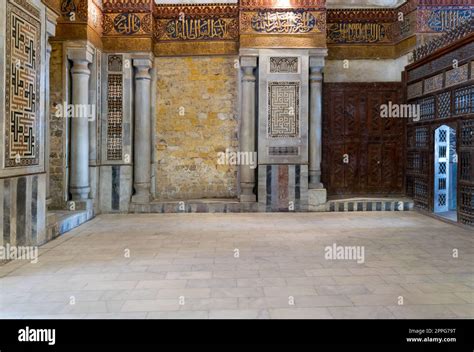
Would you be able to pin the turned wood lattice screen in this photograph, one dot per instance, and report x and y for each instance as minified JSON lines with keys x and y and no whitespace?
{"x":442,"y":84}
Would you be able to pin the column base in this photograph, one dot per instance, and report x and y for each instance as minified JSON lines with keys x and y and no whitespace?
{"x":80,"y":204}
{"x":316,"y":185}
{"x":317,"y":198}
{"x":80,"y":193}
{"x":141,"y":198}
{"x":248,"y":198}
{"x":246,"y":192}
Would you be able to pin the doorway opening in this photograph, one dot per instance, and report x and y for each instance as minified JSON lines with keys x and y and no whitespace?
{"x":445,"y":173}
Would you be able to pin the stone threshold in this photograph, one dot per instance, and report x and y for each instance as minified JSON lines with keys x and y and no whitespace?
{"x":62,"y":221}
{"x":195,"y":206}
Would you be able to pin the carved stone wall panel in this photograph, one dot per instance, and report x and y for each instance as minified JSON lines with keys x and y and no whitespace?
{"x":280,"y":22}
{"x":284,"y":64}
{"x":357,"y":33}
{"x":22,"y":88}
{"x":302,"y":4}
{"x":283,"y":109}
{"x":74,"y":11}
{"x":202,"y":28}
{"x":194,"y":29}
{"x":127,"y":5}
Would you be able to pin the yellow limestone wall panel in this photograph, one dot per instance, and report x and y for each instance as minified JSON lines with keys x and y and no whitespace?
{"x":196,"y":118}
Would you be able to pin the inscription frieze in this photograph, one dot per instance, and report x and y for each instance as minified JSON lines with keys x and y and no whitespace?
{"x":283,"y":22}
{"x":197,"y":28}
{"x":442,"y":19}
{"x":358,"y":32}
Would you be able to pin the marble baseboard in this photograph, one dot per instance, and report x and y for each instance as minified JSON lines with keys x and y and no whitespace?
{"x":283,"y":188}
{"x":23,"y":210}
{"x":349,"y":205}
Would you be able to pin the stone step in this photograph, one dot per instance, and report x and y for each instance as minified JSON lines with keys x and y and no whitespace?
{"x":195,"y":206}
{"x":62,"y":221}
{"x":370,"y":204}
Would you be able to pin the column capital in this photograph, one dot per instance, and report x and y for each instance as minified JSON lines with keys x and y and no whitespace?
{"x":51,"y":18}
{"x":143,"y":63}
{"x":81,"y":55}
{"x":143,"y":67}
{"x":316,"y":62}
{"x":248,"y":61}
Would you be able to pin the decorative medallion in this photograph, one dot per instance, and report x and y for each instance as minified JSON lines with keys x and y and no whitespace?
{"x":127,"y":23}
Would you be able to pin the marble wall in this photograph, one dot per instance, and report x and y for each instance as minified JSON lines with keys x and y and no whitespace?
{"x":23,"y":210}
{"x":196,"y":118}
{"x":365,"y":70}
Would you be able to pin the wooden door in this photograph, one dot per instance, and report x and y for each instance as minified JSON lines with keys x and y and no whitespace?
{"x":362,"y":152}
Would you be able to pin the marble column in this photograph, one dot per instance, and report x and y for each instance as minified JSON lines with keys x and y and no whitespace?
{"x":142,"y":136}
{"x":247,"y":127}
{"x":79,"y":170}
{"x":48,"y":117}
{"x":51,"y":17}
{"x":315,"y":126}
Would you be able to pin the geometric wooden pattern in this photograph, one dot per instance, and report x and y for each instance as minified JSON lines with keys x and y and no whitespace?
{"x":464,"y":100}
{"x":22,"y":91}
{"x":466,"y":205}
{"x":467,"y":133}
{"x":352,"y":126}
{"x":455,"y":105}
{"x":427,"y":108}
{"x":443,"y":105}
{"x":421,"y":196}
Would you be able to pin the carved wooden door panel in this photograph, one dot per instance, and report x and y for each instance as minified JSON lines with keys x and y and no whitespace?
{"x":362,"y":152}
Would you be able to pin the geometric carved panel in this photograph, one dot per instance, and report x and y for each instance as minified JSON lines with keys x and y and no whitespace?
{"x":283,"y":65}
{"x":114,"y":116}
{"x":22,"y":91}
{"x":283,"y":109}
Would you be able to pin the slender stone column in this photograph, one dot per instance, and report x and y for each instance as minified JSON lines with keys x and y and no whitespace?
{"x":315,"y":119}
{"x":142,"y":143}
{"x":79,"y":178}
{"x":51,"y":17}
{"x":47,"y":118}
{"x":247,"y":127}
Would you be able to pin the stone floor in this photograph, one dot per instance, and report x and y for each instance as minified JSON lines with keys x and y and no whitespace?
{"x":247,"y":266}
